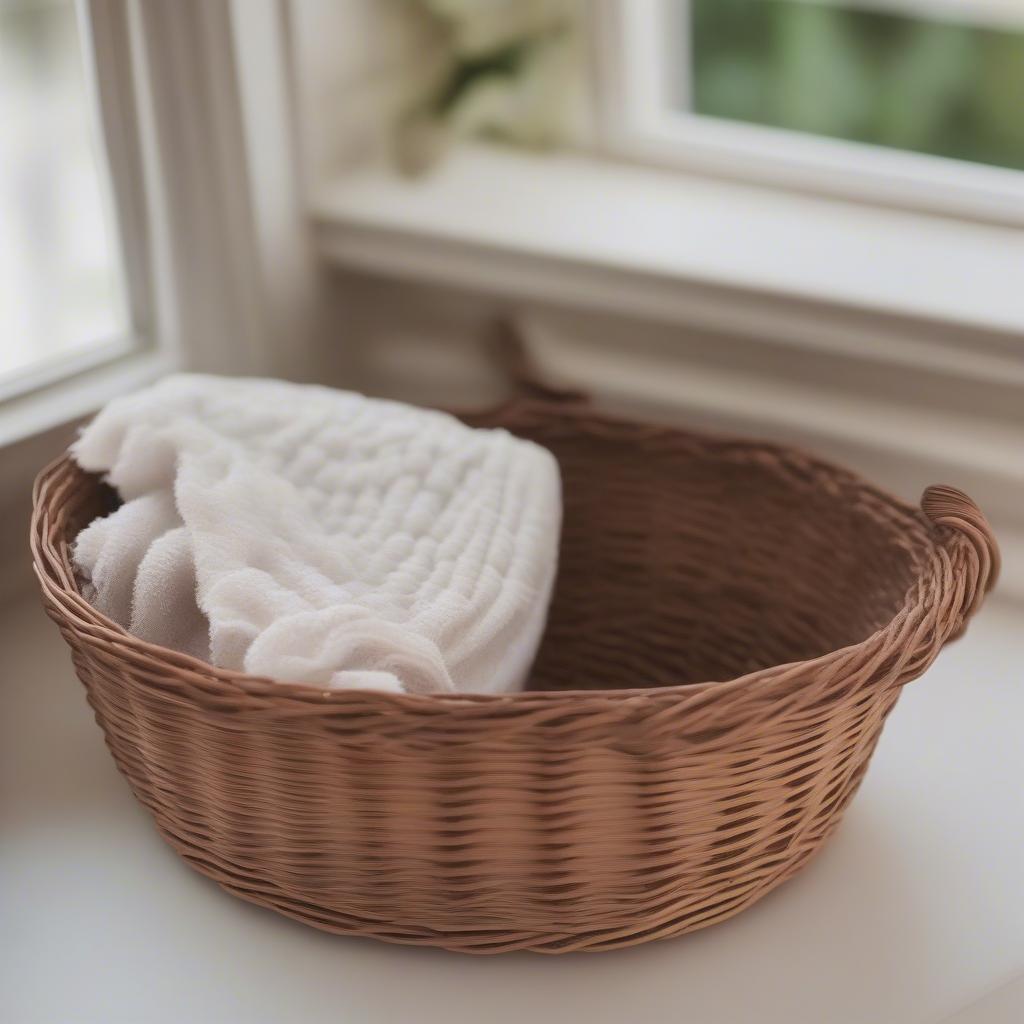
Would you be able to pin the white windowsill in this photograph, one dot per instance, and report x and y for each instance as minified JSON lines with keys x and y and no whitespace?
{"x":722,"y":255}
{"x":64,"y":401}
{"x":913,"y":292}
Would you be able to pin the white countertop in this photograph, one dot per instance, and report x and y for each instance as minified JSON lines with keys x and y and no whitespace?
{"x":914,"y":913}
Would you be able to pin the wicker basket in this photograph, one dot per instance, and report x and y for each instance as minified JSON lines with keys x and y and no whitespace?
{"x":732,"y":623}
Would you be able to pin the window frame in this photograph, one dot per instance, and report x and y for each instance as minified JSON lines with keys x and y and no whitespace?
{"x":194,"y":101}
{"x":635,"y":121}
{"x":107,"y":33}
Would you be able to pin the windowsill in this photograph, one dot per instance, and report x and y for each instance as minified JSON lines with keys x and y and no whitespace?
{"x":906,"y":295}
{"x":62,"y":402}
{"x":721,"y":255}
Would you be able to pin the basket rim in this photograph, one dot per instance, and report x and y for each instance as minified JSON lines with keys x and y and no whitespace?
{"x":968,"y":545}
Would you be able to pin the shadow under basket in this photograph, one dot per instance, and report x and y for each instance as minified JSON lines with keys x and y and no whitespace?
{"x":731,"y":625}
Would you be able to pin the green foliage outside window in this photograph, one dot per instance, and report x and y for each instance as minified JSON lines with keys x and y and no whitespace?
{"x":939,"y":87}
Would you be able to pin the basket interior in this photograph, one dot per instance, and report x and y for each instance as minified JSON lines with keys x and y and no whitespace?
{"x":684,"y":564}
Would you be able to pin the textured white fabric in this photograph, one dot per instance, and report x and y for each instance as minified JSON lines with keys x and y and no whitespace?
{"x":322,"y":537}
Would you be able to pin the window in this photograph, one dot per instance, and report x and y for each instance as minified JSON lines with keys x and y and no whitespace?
{"x":916,"y":102}
{"x":63,"y":295}
{"x":887,"y":77}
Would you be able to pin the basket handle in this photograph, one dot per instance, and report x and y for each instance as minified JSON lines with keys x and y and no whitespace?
{"x":512,"y":355}
{"x":969,"y":539}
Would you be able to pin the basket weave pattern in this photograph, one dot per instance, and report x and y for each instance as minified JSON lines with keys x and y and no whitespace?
{"x":732,"y":623}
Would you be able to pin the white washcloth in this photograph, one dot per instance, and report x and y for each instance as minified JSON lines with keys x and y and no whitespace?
{"x":321,"y":537}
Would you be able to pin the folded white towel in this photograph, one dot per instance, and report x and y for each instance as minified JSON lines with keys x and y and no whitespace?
{"x":322,"y":537}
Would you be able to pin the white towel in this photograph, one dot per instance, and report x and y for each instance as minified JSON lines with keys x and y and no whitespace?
{"x":321,"y":537}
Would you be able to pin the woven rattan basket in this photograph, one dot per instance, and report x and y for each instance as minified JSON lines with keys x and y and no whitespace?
{"x":732,"y":623}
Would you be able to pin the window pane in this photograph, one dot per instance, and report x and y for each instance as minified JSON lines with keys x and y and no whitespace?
{"x":878,"y":76}
{"x":60,"y":285}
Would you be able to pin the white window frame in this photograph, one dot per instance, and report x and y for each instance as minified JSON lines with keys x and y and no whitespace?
{"x":635,"y":121}
{"x":193,"y":103}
